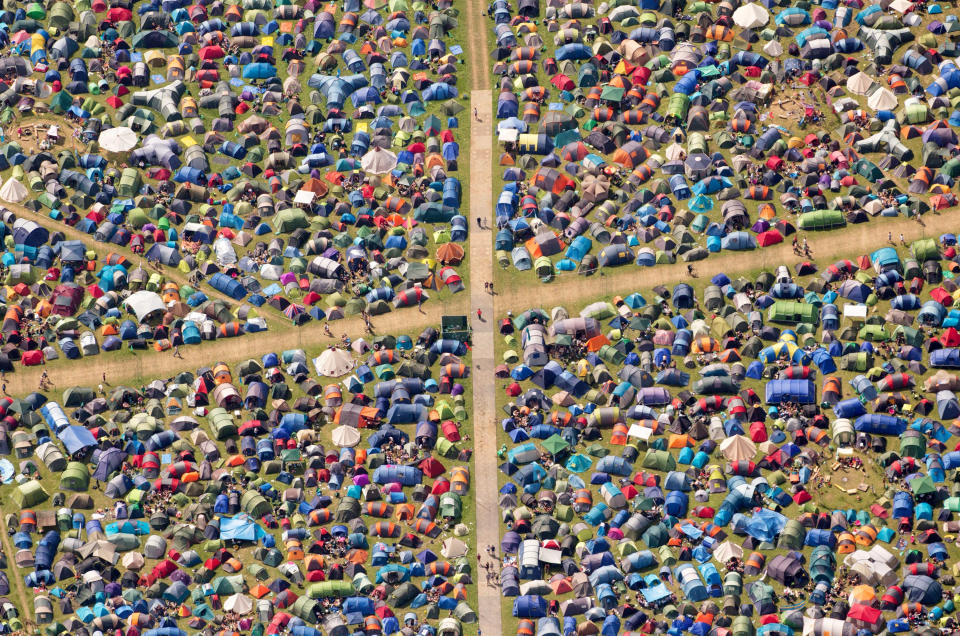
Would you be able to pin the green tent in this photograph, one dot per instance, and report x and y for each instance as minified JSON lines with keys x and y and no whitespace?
{"x":912,"y":446}
{"x":660,"y":460}
{"x":227,"y":585}
{"x":291,"y":219}
{"x":859,"y":361}
{"x":222,"y":424}
{"x":874,"y":333}
{"x":254,"y":504}
{"x":330,"y":589}
{"x":76,"y":477}
{"x":160,"y":39}
{"x":78,"y":396}
{"x":821,"y":220}
{"x":923,"y":486}
{"x":925,"y":250}
{"x":555,"y":444}
{"x":130,"y":182}
{"x":29,"y":494}
{"x":792,"y":536}
{"x":792,"y":312}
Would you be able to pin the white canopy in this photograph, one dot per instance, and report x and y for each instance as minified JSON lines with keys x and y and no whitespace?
{"x":860,"y":83}
{"x":378,"y":161}
{"x":882,"y":99}
{"x":304,"y":197}
{"x":13,"y":191}
{"x":751,"y":16}
{"x":508,"y":135}
{"x":855,"y":312}
{"x":738,"y":448}
{"x":119,"y":139}
{"x":144,"y":303}
{"x":332,"y":363}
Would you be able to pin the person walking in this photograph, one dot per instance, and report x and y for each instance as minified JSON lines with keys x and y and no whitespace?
{"x":479,"y":315}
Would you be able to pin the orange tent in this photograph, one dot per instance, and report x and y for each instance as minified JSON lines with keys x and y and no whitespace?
{"x":357,"y":556}
{"x":450,"y":254}
{"x":680,"y":441}
{"x":316,"y":186}
{"x":597,"y":342}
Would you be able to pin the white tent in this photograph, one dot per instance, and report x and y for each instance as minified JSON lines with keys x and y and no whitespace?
{"x":332,"y":363}
{"x":119,"y":139}
{"x":13,"y":191}
{"x":238,"y":603}
{"x":751,"y":16}
{"x":378,"y":161}
{"x":726,"y":551}
{"x":883,"y":99}
{"x":346,"y":436}
{"x":132,"y":561}
{"x":901,"y":6}
{"x":144,"y":304}
{"x":674,"y":151}
{"x":773,"y":48}
{"x":738,"y":448}
{"x":453,"y":549}
{"x":860,"y":83}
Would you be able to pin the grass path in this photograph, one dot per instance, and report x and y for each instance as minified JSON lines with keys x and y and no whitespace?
{"x":573,"y":290}
{"x":16,"y":582}
{"x":136,"y":366}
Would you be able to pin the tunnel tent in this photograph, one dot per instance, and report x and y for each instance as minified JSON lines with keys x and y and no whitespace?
{"x":29,"y":494}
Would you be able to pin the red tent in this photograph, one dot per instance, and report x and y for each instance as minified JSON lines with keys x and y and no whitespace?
{"x":432,"y":468}
{"x":211,"y":52}
{"x":119,"y":14}
{"x":770,"y":237}
{"x":32,"y":358}
{"x":942,"y":296}
{"x":950,"y":338}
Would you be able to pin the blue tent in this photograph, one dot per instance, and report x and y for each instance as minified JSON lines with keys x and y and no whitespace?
{"x":879,"y":424}
{"x":76,"y":439}
{"x":798,"y":391}
{"x":530,"y":607}
{"x":240,"y":528}
{"x":259,"y":70}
